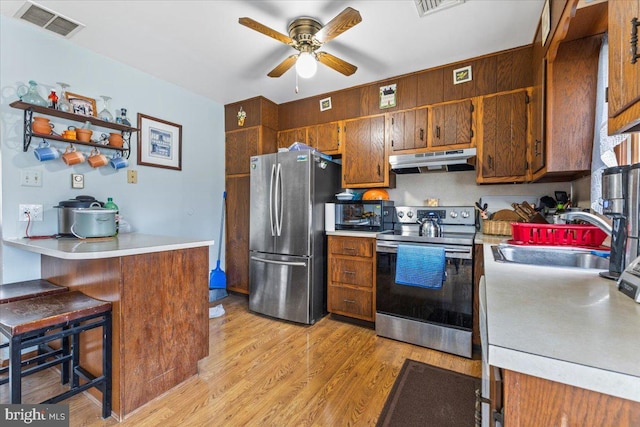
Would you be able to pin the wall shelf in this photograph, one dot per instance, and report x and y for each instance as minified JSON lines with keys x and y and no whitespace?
{"x":29,"y":109}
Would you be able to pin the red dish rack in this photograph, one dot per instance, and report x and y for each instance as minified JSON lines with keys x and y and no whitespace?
{"x":588,"y":236}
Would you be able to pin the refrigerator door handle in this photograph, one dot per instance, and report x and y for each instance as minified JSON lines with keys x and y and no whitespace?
{"x":279,"y":200}
{"x":269,"y":261}
{"x":271,"y":223}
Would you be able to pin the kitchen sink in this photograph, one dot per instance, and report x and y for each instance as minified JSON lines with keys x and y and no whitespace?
{"x":549,"y":256}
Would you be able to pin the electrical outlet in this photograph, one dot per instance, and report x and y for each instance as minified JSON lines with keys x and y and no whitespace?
{"x":132,"y":176}
{"x":30,"y":211}
{"x":30,"y":178}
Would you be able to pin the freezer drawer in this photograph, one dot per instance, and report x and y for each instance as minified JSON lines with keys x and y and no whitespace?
{"x":280,"y":286}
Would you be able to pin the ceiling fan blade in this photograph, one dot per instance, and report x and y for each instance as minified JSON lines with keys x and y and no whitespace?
{"x":338,"y":25}
{"x":254,"y":25}
{"x":336,"y":63}
{"x":283,"y":67}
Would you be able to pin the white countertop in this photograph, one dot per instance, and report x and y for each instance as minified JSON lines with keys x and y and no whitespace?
{"x":563,"y":324}
{"x":122,"y":245}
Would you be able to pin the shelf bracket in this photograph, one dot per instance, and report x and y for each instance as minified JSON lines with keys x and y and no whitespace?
{"x":28,"y":117}
{"x":126,"y":136}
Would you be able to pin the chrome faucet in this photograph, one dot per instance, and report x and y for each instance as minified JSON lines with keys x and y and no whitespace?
{"x":590,"y":218}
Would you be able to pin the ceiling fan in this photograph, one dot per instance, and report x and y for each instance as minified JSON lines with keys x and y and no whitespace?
{"x":307,"y":35}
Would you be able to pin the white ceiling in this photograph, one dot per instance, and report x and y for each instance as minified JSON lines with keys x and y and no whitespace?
{"x":200,"y":46}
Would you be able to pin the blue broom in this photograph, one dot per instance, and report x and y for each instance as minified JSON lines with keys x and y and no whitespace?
{"x":217,"y":278}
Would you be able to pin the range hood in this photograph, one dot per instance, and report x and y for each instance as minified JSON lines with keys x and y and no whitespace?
{"x":449,"y":160}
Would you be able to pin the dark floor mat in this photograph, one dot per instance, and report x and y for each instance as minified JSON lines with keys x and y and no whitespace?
{"x":424,"y":395}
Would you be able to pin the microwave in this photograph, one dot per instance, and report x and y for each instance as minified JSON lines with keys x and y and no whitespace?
{"x":364,"y":215}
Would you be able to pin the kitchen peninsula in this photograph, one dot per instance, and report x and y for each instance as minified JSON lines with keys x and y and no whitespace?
{"x":158,"y":286}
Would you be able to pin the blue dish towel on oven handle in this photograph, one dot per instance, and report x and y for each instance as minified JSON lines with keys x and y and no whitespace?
{"x":421,"y":266}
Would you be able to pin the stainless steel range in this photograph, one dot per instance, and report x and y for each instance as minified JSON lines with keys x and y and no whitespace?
{"x":442,"y":317}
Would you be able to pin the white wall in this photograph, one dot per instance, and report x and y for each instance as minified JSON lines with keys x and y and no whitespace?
{"x":168,"y":202}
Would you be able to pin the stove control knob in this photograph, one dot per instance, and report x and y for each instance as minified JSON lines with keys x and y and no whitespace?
{"x":453,"y":214}
{"x":410,"y":214}
{"x":400,"y":214}
{"x":465,"y":214}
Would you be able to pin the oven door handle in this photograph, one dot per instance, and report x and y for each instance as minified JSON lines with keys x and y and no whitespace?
{"x":463,"y":253}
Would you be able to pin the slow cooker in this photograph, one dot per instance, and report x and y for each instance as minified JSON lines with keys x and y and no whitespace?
{"x":66,"y":214}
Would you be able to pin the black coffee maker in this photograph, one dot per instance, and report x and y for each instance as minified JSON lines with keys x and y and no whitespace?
{"x":615,"y":206}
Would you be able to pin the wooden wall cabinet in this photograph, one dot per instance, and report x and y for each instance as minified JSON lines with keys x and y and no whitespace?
{"x":502,"y":146}
{"x":257,"y":136}
{"x":351,"y":272}
{"x":452,"y":125}
{"x":288,"y":137}
{"x":624,"y":67}
{"x":408,"y":130}
{"x":364,"y":157}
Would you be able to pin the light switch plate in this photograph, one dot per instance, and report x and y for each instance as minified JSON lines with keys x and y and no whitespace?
{"x":77,"y":180}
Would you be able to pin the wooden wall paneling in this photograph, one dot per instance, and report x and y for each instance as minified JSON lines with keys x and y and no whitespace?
{"x":530,"y":402}
{"x":571,"y":105}
{"x":514,"y":70}
{"x":237,"y":233}
{"x":260,"y":111}
{"x":268,"y":140}
{"x":450,"y":91}
{"x":484,"y":75}
{"x":99,"y":279}
{"x":588,"y":21}
{"x":406,"y":87}
{"x":429,"y":87}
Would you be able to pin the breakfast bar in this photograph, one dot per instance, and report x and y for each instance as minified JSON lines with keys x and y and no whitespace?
{"x":158,"y":287}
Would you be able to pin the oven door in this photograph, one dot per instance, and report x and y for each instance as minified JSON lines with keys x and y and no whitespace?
{"x":451,"y":305}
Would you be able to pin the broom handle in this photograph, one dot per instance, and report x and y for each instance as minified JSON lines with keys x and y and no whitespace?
{"x":224,"y":201}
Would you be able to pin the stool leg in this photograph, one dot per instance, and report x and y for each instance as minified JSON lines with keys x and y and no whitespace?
{"x":106,"y":366}
{"x":15,"y":360}
{"x":75,"y":359}
{"x":65,"y":375}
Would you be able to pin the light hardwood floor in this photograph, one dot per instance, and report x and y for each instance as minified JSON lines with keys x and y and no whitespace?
{"x":265,"y":372}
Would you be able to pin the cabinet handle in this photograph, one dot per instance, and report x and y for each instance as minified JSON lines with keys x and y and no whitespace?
{"x":421,"y":134}
{"x":379,"y":171}
{"x":349,"y":272}
{"x":478,"y":407}
{"x":349,"y":301}
{"x":634,"y":40}
{"x":349,"y":249}
{"x":438,"y":132}
{"x":536,"y":149}
{"x":490,"y":162}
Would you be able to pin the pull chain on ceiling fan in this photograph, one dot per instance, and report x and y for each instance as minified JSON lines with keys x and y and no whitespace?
{"x":307,"y":35}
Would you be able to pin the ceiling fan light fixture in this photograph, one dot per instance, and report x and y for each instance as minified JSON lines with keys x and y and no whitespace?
{"x":306,"y":65}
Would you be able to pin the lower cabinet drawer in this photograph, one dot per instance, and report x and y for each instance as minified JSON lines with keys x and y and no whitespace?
{"x":352,"y":271}
{"x":350,"y":302}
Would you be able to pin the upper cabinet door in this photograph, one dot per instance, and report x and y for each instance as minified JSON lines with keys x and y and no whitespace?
{"x":503,"y":145}
{"x":624,"y":65}
{"x":452,"y":124}
{"x":288,"y":137}
{"x":326,"y":137}
{"x":408,"y":130}
{"x":364,"y":162}
{"x":240,"y":146}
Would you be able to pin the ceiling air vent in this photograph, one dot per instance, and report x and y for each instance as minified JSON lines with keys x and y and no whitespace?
{"x":426,"y":7}
{"x":48,"y":19}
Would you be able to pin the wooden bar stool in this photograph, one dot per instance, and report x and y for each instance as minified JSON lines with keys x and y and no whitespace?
{"x":35,"y":321}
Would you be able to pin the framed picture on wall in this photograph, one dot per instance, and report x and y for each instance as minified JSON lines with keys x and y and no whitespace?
{"x":160,"y":143}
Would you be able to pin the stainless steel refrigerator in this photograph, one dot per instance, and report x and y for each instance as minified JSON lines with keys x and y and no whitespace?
{"x":286,"y":234}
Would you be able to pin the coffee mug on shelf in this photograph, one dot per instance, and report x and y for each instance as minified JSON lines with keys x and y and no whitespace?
{"x":71,"y":156}
{"x":69,"y":134}
{"x":45,"y":152}
{"x":96,"y":159}
{"x":118,"y":162}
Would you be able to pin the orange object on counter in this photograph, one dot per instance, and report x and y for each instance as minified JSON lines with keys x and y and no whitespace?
{"x":375,"y":194}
